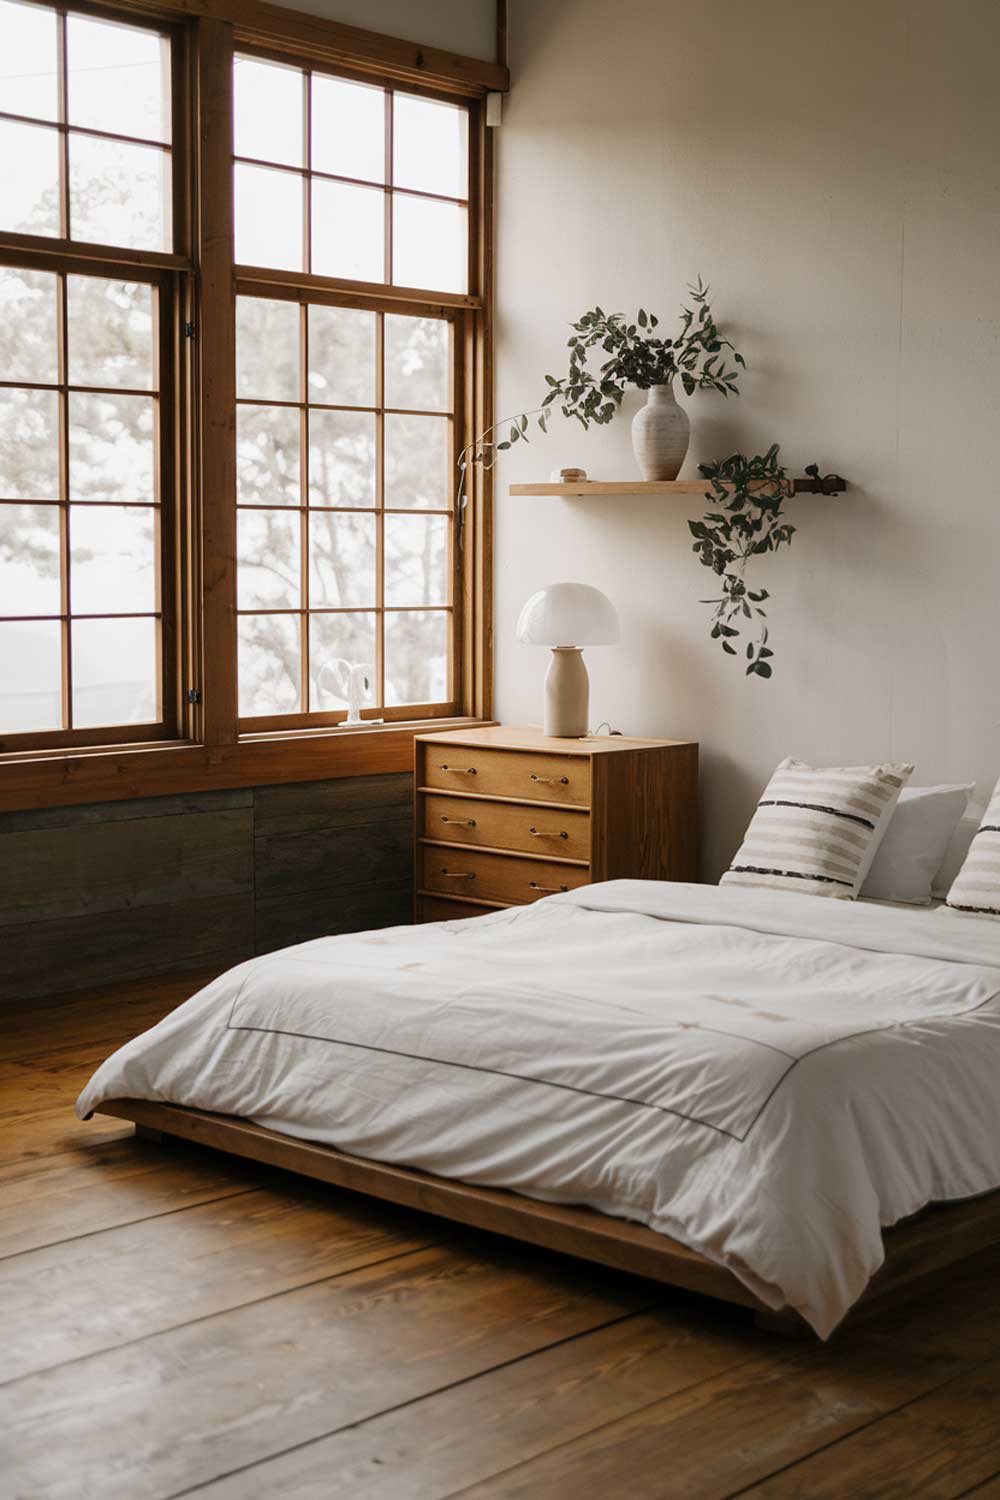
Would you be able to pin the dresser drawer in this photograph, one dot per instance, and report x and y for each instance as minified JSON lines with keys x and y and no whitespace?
{"x":507,"y":773}
{"x":439,"y":909}
{"x":500,"y":825}
{"x":494,"y":877}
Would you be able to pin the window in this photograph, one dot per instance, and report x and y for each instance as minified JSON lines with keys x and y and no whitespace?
{"x":85,"y":128}
{"x":85,"y":379}
{"x":348,"y":180}
{"x":236,"y":370}
{"x":344,"y":485}
{"x":346,"y":407}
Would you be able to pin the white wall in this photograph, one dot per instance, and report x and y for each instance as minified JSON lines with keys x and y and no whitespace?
{"x":464,"y":26}
{"x":833,"y":171}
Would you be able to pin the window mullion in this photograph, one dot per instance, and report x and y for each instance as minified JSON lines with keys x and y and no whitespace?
{"x":379,"y":663}
{"x":305,"y":644}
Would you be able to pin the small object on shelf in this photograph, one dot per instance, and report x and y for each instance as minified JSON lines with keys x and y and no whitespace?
{"x":567,"y":616}
{"x":568,"y":476}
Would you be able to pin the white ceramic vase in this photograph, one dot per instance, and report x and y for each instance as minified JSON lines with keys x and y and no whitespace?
{"x":660,"y":434}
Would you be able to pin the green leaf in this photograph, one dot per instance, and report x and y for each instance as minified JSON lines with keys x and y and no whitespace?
{"x":728,"y":648}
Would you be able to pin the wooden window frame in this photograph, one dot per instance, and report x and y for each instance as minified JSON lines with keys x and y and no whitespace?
{"x":209,"y":748}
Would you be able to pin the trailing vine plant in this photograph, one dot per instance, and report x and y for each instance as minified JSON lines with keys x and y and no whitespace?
{"x":637,"y":356}
{"x":746,"y":521}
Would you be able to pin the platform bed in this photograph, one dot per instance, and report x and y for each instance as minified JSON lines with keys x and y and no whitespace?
{"x":932,"y":1241}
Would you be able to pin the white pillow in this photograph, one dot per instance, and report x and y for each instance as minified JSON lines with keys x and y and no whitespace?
{"x":816,"y":829}
{"x":977,"y":885}
{"x":915,"y":843}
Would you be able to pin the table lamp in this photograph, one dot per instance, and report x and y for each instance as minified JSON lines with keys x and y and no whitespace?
{"x":567,"y":616}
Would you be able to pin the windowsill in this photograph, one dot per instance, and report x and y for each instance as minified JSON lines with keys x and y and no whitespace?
{"x":111,"y":773}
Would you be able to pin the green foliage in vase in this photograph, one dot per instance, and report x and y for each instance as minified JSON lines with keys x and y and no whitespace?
{"x":636,"y":356}
{"x":745,"y":521}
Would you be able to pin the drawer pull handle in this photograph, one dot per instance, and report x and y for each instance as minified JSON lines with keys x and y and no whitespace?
{"x":533,"y":885}
{"x":542,"y":833}
{"x":459,"y":770}
{"x":458,"y":874}
{"x":459,"y":822}
{"x":550,"y":780}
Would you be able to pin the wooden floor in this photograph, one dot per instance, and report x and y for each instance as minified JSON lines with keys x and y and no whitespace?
{"x":175,"y":1322}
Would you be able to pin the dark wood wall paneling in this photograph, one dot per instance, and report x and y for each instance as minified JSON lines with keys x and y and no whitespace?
{"x":120,"y":890}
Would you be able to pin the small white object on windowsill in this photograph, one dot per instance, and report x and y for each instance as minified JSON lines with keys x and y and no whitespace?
{"x":356,"y":678}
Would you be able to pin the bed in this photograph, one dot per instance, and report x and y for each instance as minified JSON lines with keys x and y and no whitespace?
{"x":733,"y":1090}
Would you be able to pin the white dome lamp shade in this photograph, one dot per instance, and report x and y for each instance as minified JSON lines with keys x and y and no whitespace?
{"x":567,"y":616}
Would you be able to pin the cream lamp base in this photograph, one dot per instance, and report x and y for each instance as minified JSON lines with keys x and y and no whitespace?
{"x":567,"y":694}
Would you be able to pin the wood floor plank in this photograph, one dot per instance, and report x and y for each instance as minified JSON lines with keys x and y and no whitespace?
{"x":959,"y":1317}
{"x":68,"y":1301}
{"x":183,"y":1407}
{"x":709,"y":1442}
{"x":36,"y":1114}
{"x":107,"y":1015}
{"x":424,"y":1452}
{"x":988,"y":1491}
{"x":81,"y":1192}
{"x":935,"y":1448}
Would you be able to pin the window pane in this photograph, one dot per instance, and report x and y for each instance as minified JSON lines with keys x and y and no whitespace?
{"x":429,"y":244}
{"x":270,"y":664}
{"x":416,"y":658}
{"x":112,"y":559}
{"x":430,"y":146}
{"x":111,"y":448}
{"x":110,"y":333}
{"x":267,"y":349}
{"x":29,"y":445}
{"x":341,"y":356}
{"x":417,"y":373}
{"x":268,"y":111}
{"x":268,"y":218}
{"x":418,"y":462}
{"x":348,"y":234}
{"x":341,"y":458}
{"x":348,"y":129}
{"x":267,"y":455}
{"x":334,"y":639}
{"x":341,"y":560}
{"x":114,"y":672}
{"x":118,"y":78}
{"x":29,"y":561}
{"x":416,"y":560}
{"x":268,"y":553}
{"x":29,"y":348}
{"x":29,"y":178}
{"x":28,"y":80}
{"x":30,"y":676}
{"x":119,"y":194}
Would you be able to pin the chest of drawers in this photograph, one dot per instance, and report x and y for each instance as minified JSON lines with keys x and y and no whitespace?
{"x":505,"y":816}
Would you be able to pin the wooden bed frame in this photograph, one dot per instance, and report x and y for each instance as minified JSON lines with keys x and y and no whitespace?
{"x":929,"y":1242}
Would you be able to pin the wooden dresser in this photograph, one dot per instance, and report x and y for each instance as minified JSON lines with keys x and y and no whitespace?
{"x":505,"y":816}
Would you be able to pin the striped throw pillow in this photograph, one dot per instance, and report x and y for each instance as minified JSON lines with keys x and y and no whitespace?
{"x":976,"y":887}
{"x":816,"y":830}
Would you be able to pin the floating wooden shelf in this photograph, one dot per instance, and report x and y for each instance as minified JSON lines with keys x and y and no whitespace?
{"x":829,"y":484}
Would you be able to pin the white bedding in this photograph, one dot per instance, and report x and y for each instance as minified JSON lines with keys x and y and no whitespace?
{"x":767,"y":1077}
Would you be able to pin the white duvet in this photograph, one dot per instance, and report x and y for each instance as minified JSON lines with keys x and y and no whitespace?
{"x":769,"y":1078}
